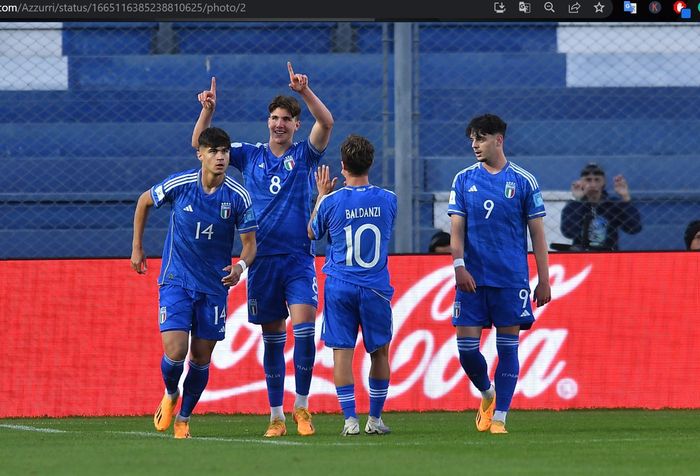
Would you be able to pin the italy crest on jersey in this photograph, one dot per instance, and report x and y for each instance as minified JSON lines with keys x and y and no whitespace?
{"x":510,"y":189}
{"x":225,"y":210}
{"x":289,"y":163}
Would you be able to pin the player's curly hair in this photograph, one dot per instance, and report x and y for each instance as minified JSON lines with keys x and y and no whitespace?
{"x":357,"y":154}
{"x":214,"y":137}
{"x":486,"y":124}
{"x":285,"y":102}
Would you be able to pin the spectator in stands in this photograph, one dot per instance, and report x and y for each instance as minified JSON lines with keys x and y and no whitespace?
{"x":593,"y":218}
{"x":692,"y":236}
{"x":440,"y":243}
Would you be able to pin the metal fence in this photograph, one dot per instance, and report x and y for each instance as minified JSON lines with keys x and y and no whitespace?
{"x":92,"y":114}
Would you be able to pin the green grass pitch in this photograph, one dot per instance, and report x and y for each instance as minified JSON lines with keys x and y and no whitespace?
{"x":579,"y":442}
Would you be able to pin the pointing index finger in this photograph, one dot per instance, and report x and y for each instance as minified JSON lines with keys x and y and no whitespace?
{"x":290,"y":69}
{"x":213,"y":84}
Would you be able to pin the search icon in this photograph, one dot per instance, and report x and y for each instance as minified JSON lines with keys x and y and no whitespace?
{"x":549,"y":7}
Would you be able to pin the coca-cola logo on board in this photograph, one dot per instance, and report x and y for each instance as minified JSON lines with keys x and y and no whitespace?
{"x":424,"y":359}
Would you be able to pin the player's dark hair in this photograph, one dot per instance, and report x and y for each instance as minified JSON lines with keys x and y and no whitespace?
{"x":288,"y":103}
{"x":214,"y":137}
{"x":357,"y":154}
{"x":486,"y":124}
{"x":441,"y":238}
{"x":690,"y":231}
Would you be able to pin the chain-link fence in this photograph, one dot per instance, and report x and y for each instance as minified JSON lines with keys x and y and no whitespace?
{"x":92,"y":114}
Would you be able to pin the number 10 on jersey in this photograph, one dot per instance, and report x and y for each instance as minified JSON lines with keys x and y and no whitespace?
{"x":353,"y":243}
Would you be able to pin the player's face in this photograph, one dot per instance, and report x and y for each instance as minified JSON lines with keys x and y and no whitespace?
{"x":282,"y":126}
{"x":695,"y":244}
{"x":486,"y":146}
{"x":214,"y":159}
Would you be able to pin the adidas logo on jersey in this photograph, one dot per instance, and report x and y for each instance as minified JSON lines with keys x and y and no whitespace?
{"x":473,"y":189}
{"x":222,"y":330}
{"x":525,"y":313}
{"x":261,"y":165}
{"x":188,"y":208}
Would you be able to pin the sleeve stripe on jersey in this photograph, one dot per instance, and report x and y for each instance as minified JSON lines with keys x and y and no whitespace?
{"x":314,"y":149}
{"x":530,"y":178}
{"x":177,"y":181}
{"x":471,"y":167}
{"x":334,"y":192}
{"x":233,"y":185}
{"x":247,"y":229}
{"x":538,"y":214}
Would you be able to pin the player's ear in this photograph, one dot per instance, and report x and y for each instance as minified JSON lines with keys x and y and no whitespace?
{"x":199,"y":154}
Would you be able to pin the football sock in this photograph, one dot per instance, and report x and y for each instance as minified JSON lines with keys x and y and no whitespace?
{"x":301,"y":401}
{"x":172,"y":371}
{"x":346,"y":398}
{"x":273,"y":364}
{"x":378,"y":390}
{"x":507,"y":370}
{"x":473,"y":362}
{"x":195,"y":383}
{"x":500,"y":416}
{"x":304,"y":356}
{"x":488,"y":393}
{"x":277,"y":413}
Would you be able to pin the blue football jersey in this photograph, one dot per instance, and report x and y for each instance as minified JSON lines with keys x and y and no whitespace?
{"x":359,"y":222}
{"x":281,"y":192}
{"x":496,"y":209}
{"x":202,"y":229}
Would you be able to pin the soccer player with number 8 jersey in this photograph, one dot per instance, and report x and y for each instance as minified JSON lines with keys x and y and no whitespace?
{"x":282,"y":281}
{"x":492,"y":205}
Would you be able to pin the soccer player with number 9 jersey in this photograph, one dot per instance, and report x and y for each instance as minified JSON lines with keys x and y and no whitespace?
{"x":492,"y":205}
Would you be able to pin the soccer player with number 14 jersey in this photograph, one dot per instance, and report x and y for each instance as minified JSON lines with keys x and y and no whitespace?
{"x":196,"y":272}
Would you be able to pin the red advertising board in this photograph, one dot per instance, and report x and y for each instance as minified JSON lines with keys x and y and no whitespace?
{"x":80,"y":337}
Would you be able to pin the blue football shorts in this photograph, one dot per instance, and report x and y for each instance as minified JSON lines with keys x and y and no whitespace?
{"x":180,"y":309}
{"x":489,"y":306}
{"x":348,"y":307}
{"x":278,"y":281}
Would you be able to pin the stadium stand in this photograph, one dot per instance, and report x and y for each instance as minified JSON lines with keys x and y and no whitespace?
{"x":74,"y":155}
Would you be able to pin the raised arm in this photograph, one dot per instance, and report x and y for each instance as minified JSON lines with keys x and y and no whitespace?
{"x":207,"y":99}
{"x":627,"y":216}
{"x":325,"y":185}
{"x":247,"y":256}
{"x":138,"y":257}
{"x":543,"y":292}
{"x":321,"y":130}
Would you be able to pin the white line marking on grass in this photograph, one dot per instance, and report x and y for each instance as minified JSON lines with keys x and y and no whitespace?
{"x":260,"y":441}
{"x":210,"y":438}
{"x":31,"y":428}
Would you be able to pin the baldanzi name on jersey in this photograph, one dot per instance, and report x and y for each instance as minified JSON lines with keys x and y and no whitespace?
{"x":363,"y":212}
